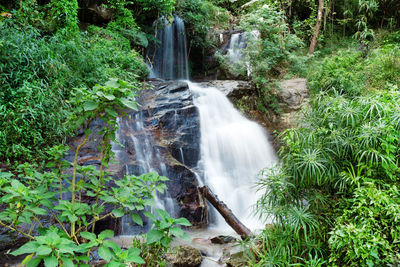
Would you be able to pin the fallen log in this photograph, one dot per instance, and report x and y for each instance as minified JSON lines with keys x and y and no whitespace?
{"x":227,"y":213}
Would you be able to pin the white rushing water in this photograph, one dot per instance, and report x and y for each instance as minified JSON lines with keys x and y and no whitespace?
{"x":169,"y":59}
{"x":148,"y":159}
{"x":233,"y":151}
{"x":237,"y":43}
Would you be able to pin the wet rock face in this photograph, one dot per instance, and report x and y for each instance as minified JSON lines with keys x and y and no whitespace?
{"x":10,"y":241}
{"x":172,"y":121}
{"x":162,"y":136}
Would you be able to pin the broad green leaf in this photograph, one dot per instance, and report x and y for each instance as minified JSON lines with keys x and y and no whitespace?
{"x":113,"y":246}
{"x":90,"y":105}
{"x":183,"y":221}
{"x":27,"y":259}
{"x":165,"y":241}
{"x":178,"y":232}
{"x":129,"y":104}
{"x":118,"y":212}
{"x":134,"y":256}
{"x":109,"y":96}
{"x":149,"y":215}
{"x":83,"y":258}
{"x":106,"y":234}
{"x":71,"y":248}
{"x":137,"y":219}
{"x":17,"y":184}
{"x":113,"y":83}
{"x":72,"y":217}
{"x":105,"y":253}
{"x":88,"y":235}
{"x":111,"y":112}
{"x":43,"y":251}
{"x":39,"y":211}
{"x":6,"y":175}
{"x":154,"y":236}
{"x":163,"y":214}
{"x":34,"y":262}
{"x":115,"y":264}
{"x":136,"y":259}
{"x":29,"y":247}
{"x":50,"y":261}
{"x":67,"y":262}
{"x":165,"y":224}
{"x":133,"y":251}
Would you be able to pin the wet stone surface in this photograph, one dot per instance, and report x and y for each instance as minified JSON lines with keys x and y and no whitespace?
{"x":167,"y":131}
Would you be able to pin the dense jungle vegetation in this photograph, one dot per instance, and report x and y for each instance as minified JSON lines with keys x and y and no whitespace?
{"x":335,"y":196}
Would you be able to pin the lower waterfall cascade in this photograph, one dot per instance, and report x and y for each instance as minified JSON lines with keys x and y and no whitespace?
{"x":233,"y":151}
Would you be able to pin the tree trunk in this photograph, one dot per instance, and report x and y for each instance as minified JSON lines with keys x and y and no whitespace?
{"x":317,"y":26}
{"x":229,"y":217}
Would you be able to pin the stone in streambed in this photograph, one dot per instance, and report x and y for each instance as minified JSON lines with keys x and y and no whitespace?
{"x":184,"y":256}
{"x":236,"y":260}
{"x":223,"y":239}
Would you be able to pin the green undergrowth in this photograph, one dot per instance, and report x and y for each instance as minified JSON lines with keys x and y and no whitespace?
{"x":38,"y":73}
{"x":76,"y":203}
{"x":334,"y":199}
{"x":354,"y":73}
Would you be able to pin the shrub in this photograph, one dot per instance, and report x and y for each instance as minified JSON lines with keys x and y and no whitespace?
{"x":343,"y":155}
{"x":367,"y":233}
{"x":31,"y":196}
{"x":268,"y":53}
{"x":352,"y":74}
{"x":38,"y":74}
{"x":200,"y":17}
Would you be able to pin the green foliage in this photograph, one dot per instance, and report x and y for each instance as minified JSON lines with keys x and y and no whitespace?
{"x":269,"y":48}
{"x":269,"y":42}
{"x":200,"y":18}
{"x":29,"y":197}
{"x":157,"y":240}
{"x":165,"y":228}
{"x":343,"y":155}
{"x":163,"y":7}
{"x":60,"y":15}
{"x":38,"y":74}
{"x":125,"y":24}
{"x":351,"y":74}
{"x":64,"y":15}
{"x":296,"y":229}
{"x":368,"y":231}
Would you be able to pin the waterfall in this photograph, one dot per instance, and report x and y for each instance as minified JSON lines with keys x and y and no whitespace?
{"x":169,"y":59}
{"x":233,"y":151}
{"x":236,"y":45}
{"x":148,"y":159}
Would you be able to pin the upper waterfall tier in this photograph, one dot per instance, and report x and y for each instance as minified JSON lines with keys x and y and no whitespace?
{"x":168,"y":59}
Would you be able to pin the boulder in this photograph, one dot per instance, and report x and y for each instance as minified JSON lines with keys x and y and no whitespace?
{"x":184,"y":256}
{"x":236,"y":260}
{"x":233,"y":89}
{"x":166,"y":129}
{"x":223,"y":239}
{"x":10,"y":241}
{"x":293,"y":94}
